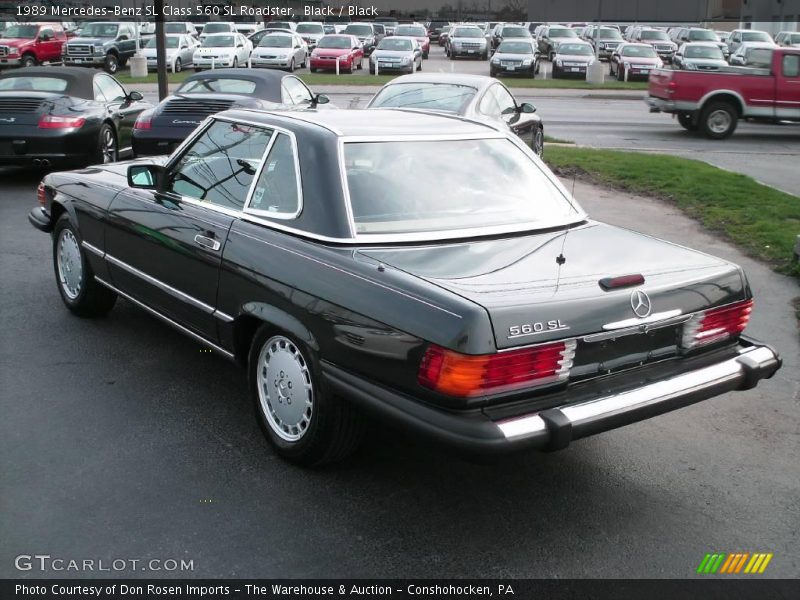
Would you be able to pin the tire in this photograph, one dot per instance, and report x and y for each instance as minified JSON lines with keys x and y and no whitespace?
{"x":538,"y":142}
{"x":111,"y":64}
{"x":320,"y":428}
{"x":552,"y":56}
{"x":371,"y":70}
{"x":718,"y":120}
{"x":107,"y":150}
{"x":178,"y":65}
{"x":28,"y":60}
{"x":419,"y":68}
{"x":452,"y":55}
{"x":621,"y":74}
{"x":304,"y":63}
{"x":235,"y":62}
{"x":313,"y":70}
{"x":123,"y":62}
{"x":77,"y":286}
{"x":492,"y":73}
{"x":537,"y":67}
{"x":687,"y":121}
{"x":485,"y":55}
{"x":556,"y":72}
{"x":291,"y":66}
{"x":424,"y":55}
{"x":610,"y":69}
{"x":360,"y":66}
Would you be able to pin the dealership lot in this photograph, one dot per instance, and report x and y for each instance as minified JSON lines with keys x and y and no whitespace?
{"x":124,"y":439}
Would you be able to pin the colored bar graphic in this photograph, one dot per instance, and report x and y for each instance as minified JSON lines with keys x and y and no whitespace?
{"x":723,"y":563}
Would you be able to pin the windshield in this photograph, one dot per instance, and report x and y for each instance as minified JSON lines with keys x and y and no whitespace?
{"x":216,"y":28}
{"x":100,"y":30}
{"x":309,"y":28}
{"x":275,"y":41}
{"x":519,"y":32}
{"x":466,"y":32}
{"x":174,"y":28}
{"x":412,"y":31}
{"x":361,"y":30}
{"x":218,"y":85}
{"x":491,"y":184}
{"x":654,"y":35}
{"x":278,"y":25}
{"x":712,"y":52}
{"x":447,"y":97}
{"x":218,"y":41}
{"x":562,"y":32}
{"x":172,"y":42}
{"x":21,"y":31}
{"x":334,"y":42}
{"x":640,"y":51}
{"x":35,"y":84}
{"x":576,"y":49}
{"x":755,"y":36}
{"x":702,"y":35}
{"x":607,"y":33}
{"x":395,"y":44}
{"x":515,"y":48}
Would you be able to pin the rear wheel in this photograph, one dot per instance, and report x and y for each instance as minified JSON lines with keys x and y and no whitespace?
{"x":76,"y":283}
{"x":718,"y":120}
{"x":107,"y":150}
{"x":28,"y":60}
{"x":687,"y":121}
{"x":178,"y":65}
{"x":235,"y":61}
{"x":291,"y":66}
{"x":538,"y":142}
{"x":303,"y":422}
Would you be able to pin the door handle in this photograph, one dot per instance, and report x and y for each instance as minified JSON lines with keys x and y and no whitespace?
{"x":206,"y":242}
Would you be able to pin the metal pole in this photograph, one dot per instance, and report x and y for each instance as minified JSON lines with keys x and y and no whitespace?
{"x":161,"y":50}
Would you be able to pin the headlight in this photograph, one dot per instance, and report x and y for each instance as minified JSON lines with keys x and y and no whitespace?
{"x":558,"y":62}
{"x":690,"y":66}
{"x":495,"y":61}
{"x":406,"y":60}
{"x":526,"y":62}
{"x":591,"y":62}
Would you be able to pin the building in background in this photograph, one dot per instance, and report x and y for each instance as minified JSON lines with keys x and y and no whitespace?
{"x":771,"y":15}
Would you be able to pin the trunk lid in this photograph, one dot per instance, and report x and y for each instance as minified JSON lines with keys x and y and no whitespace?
{"x":531,"y":298}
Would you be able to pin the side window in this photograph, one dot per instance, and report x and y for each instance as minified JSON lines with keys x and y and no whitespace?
{"x":47,"y":33}
{"x":295,"y":91}
{"x":98,"y":93}
{"x":791,"y":65}
{"x":276,"y":193}
{"x":495,"y":101}
{"x":219,"y":166}
{"x":112,"y":91}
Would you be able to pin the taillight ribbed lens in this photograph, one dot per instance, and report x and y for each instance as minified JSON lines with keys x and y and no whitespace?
{"x":56,"y":122}
{"x":465,"y":375}
{"x":41,"y":194}
{"x":716,"y":324}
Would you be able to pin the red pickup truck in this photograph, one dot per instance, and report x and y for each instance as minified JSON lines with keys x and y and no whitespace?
{"x":30,"y":44}
{"x":713,"y":101}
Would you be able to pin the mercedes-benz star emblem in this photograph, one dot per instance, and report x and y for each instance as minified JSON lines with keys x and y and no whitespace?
{"x":640,"y":303}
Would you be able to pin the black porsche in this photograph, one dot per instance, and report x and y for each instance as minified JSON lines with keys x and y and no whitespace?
{"x":162,"y":129}
{"x":426,"y":269}
{"x":64,"y":116}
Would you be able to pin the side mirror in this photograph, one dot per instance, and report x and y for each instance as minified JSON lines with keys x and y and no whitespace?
{"x":319,"y":99}
{"x":146,"y":177}
{"x":184,"y":47}
{"x":527,"y":107}
{"x":135,"y":96}
{"x":240,"y":45}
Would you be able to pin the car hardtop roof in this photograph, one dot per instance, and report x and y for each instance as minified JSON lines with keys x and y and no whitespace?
{"x":387,"y":122}
{"x":470,"y":80}
{"x":259,"y":75}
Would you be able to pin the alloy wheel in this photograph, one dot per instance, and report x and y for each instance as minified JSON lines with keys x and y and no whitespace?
{"x":70,"y":267}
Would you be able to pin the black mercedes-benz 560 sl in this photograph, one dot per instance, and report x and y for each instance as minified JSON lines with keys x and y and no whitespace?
{"x":423,"y":268}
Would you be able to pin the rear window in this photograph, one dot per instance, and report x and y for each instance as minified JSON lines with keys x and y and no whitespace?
{"x":512,"y":32}
{"x":309,"y":28}
{"x":334,"y":42}
{"x":218,"y":86}
{"x":34,"y":84}
{"x":216,"y":28}
{"x":358,"y":30}
{"x":412,"y":31}
{"x":433,"y":96}
{"x":759,"y":57}
{"x":446,"y":194}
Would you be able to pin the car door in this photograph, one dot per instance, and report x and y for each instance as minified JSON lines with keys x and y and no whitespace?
{"x":164,"y":248}
{"x":497,"y":103}
{"x":122,"y":110}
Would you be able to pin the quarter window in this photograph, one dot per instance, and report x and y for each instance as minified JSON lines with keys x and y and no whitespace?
{"x":111,"y":90}
{"x":295,"y":91}
{"x":219,"y":166}
{"x":276,"y":193}
{"x":497,"y":101}
{"x":791,"y":65}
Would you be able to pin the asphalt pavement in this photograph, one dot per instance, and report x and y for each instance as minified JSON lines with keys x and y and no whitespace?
{"x":122,"y":439}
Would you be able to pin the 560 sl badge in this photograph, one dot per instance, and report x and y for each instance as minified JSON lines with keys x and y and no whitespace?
{"x":525,"y":329}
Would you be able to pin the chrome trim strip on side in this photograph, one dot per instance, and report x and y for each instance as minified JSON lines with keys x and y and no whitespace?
{"x":351,"y":274}
{"x":93,"y":249}
{"x":647,"y":395}
{"x":167,"y":320}
{"x":161,"y":285}
{"x":226,"y":318}
{"x":635,"y":321}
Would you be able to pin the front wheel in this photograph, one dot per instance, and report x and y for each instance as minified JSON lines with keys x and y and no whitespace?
{"x":76,"y":283}
{"x":291,"y":66}
{"x":111,"y":64}
{"x":178,"y":65}
{"x":537,"y":144}
{"x":28,"y":60}
{"x":718,"y":120}
{"x":235,"y":62}
{"x":302,"y":421}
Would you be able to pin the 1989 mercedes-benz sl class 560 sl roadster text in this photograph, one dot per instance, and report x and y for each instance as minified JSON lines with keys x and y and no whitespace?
{"x":422,"y":268}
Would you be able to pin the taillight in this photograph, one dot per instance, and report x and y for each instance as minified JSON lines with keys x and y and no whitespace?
{"x":145,"y":121}
{"x":716,"y":324}
{"x":41,"y":194}
{"x":55,"y":122}
{"x":465,"y":375}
